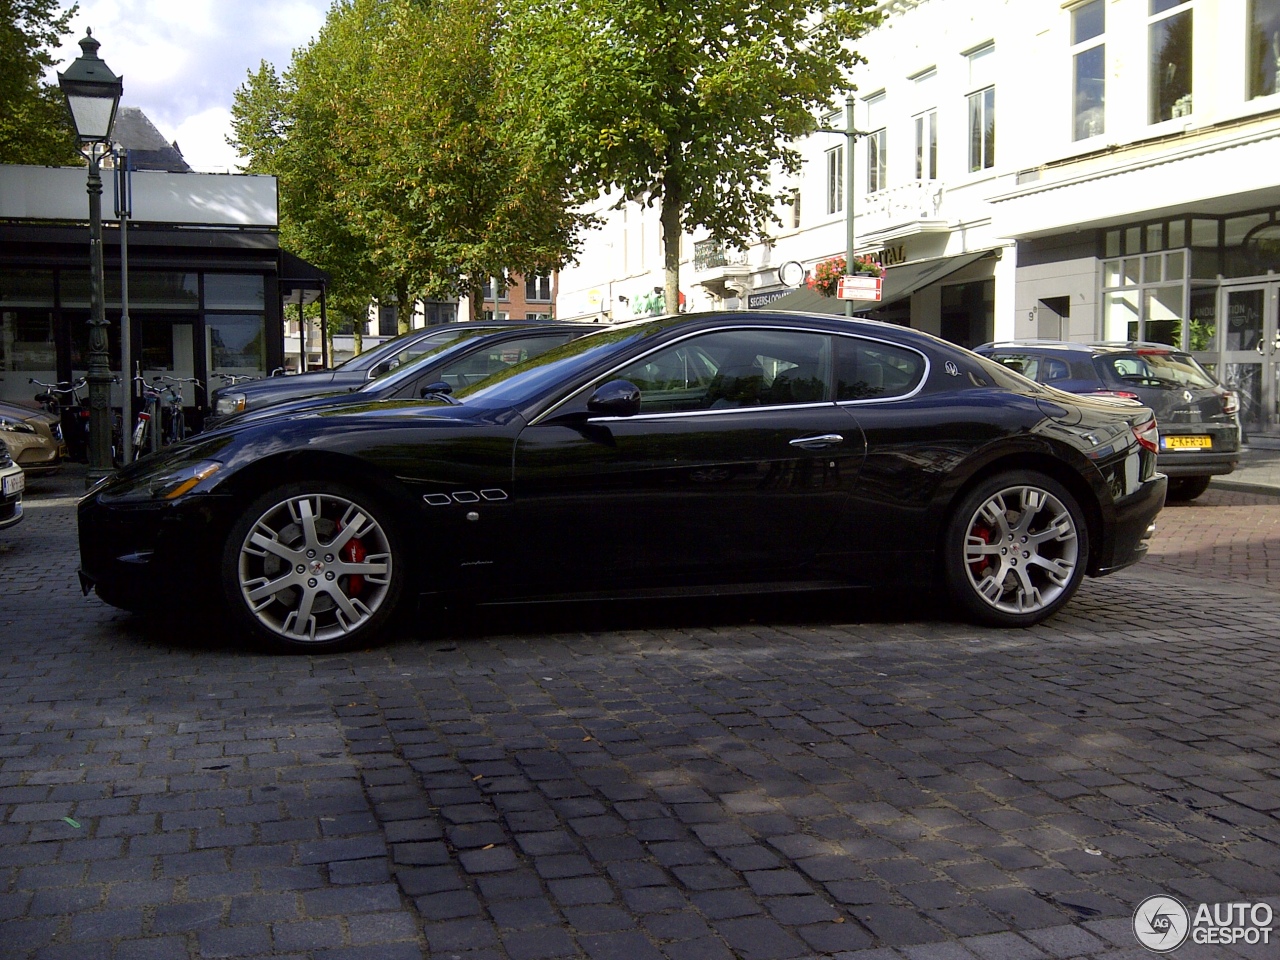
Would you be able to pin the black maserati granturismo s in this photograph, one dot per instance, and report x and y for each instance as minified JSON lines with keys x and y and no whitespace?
{"x":692,"y":455}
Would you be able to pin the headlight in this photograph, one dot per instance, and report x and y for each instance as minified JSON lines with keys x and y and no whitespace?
{"x":16,"y":426}
{"x":166,"y":483}
{"x":229,"y":404}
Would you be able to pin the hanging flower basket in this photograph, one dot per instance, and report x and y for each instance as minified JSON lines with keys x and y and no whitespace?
{"x":825,"y":277}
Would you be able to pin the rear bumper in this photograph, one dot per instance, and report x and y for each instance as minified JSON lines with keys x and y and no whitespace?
{"x":1221,"y":458}
{"x":1134,"y":524}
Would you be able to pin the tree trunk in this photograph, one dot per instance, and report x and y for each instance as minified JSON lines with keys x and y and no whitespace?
{"x":475,"y":296}
{"x":404,"y":308}
{"x":672,"y":199}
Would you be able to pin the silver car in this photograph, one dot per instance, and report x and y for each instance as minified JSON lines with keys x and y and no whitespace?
{"x":12,"y":482}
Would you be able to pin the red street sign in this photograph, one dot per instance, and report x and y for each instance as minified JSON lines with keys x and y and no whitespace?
{"x":859,"y":288}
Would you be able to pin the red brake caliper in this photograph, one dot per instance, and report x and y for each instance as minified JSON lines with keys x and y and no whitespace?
{"x":354,"y":552}
{"x":979,"y":566}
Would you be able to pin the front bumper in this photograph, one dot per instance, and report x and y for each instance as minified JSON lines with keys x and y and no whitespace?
{"x":150,"y":556}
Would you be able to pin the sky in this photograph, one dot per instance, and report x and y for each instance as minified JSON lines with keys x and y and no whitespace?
{"x":182,"y":60}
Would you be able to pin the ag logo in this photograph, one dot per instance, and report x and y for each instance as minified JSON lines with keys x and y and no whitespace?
{"x":1161,"y":924}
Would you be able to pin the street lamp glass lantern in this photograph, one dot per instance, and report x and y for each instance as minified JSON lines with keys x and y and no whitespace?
{"x":92,"y":92}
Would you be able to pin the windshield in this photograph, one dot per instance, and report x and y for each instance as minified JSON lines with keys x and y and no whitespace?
{"x":528,"y":379}
{"x":409,"y":345}
{"x":1160,"y":369}
{"x":427,"y":350}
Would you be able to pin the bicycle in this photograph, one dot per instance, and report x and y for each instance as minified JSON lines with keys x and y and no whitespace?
{"x":73,"y":416}
{"x":231,"y":379}
{"x":175,"y":426}
{"x":142,"y":430}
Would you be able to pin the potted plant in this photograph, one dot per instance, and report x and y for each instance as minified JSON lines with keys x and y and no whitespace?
{"x":826,"y":274}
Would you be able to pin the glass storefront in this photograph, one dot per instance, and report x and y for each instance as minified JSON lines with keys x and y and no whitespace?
{"x":1209,"y":285}
{"x":185,"y":324}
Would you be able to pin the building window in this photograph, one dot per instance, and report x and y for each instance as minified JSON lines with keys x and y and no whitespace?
{"x":537,"y":288}
{"x":876,"y":163}
{"x":794,"y":202}
{"x":388,"y":316}
{"x":1264,"y":47}
{"x":1169,"y":37}
{"x":982,"y":129}
{"x":1143,"y":297}
{"x":927,"y":146}
{"x":982,"y":109}
{"x":500,"y":283}
{"x":1088,"y":23}
{"x":835,"y":180}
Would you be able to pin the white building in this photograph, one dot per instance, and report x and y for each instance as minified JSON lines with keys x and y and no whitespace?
{"x":1133,"y":189}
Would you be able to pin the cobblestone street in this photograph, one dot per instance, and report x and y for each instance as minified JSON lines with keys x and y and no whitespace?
{"x":760,"y":780}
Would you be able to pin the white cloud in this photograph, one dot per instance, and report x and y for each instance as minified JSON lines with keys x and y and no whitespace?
{"x":183,"y":61}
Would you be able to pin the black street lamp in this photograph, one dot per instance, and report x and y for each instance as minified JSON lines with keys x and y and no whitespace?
{"x":93,"y":93}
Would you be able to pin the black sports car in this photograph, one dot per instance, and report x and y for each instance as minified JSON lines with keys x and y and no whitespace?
{"x":686,"y":455}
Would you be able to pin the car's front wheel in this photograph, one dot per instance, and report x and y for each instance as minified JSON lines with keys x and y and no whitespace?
{"x":1016,"y":549}
{"x":313,"y":566}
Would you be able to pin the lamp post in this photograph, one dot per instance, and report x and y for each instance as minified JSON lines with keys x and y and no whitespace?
{"x":851,"y":136}
{"x":93,"y":93}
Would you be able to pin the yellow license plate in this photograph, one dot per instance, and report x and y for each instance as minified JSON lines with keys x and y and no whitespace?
{"x":1187,"y":443}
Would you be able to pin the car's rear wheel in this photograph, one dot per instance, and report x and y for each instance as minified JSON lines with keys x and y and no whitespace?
{"x":1016,"y":549}
{"x":1186,"y":488}
{"x":313,"y":566}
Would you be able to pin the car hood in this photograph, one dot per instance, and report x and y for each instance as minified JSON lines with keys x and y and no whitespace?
{"x":355,"y":409}
{"x":290,"y":407}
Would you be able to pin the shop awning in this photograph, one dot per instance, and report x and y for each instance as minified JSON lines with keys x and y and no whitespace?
{"x":899,"y":283}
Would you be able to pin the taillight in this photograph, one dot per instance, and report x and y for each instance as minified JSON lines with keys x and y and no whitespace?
{"x":1231,"y":403}
{"x":1148,"y":435}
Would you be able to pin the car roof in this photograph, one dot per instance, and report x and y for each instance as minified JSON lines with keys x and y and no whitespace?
{"x":1091,"y":348}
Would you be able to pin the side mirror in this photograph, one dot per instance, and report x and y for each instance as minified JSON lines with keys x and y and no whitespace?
{"x":435,"y":389}
{"x":617,"y":398}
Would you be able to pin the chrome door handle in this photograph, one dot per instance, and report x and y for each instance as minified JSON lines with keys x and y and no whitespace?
{"x":818,"y":442}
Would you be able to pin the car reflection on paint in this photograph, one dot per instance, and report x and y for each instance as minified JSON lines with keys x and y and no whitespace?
{"x":691,"y":455}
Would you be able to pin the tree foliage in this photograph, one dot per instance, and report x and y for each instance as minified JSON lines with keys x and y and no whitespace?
{"x":691,"y":104}
{"x":398,"y":165}
{"x":34,"y":126}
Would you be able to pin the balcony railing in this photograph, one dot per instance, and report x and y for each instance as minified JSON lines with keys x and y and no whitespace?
{"x":712,"y":254}
{"x":911,"y":207}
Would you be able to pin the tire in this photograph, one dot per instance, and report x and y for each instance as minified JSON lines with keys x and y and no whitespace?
{"x":1182,"y":489}
{"x":287,"y":580}
{"x":1016,"y":549}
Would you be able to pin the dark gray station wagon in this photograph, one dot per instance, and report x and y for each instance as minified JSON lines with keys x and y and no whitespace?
{"x":1197,"y":416}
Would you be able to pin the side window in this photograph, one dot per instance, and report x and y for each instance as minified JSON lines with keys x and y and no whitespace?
{"x":1028,"y":366}
{"x":1053,"y":369}
{"x":871,"y":370}
{"x":734,"y":368}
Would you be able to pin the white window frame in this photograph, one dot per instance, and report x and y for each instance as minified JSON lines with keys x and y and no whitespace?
{"x":926,"y":126}
{"x":1180,"y":109}
{"x":835,"y":180}
{"x":1082,"y":125}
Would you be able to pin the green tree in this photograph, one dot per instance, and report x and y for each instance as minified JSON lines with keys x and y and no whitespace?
{"x":395,"y":153}
{"x":690,"y":104}
{"x":34,"y":126}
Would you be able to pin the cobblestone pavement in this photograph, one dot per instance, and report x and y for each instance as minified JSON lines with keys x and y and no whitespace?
{"x":765,"y":780}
